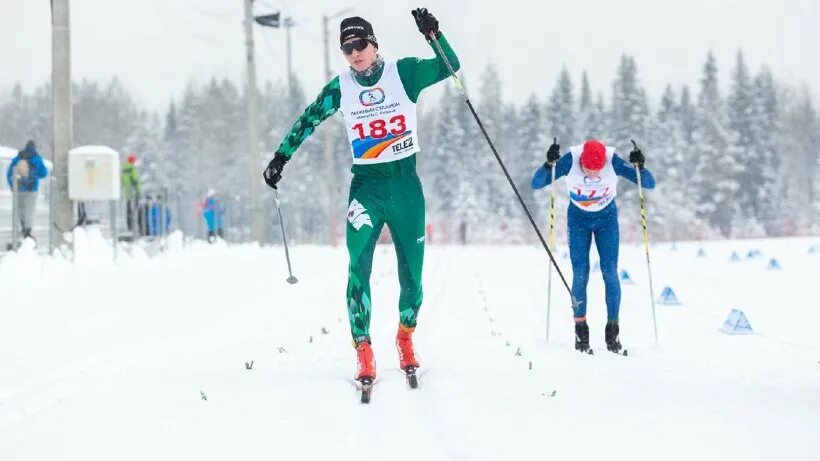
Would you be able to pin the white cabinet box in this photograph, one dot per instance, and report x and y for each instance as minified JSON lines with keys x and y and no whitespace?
{"x":93,"y":173}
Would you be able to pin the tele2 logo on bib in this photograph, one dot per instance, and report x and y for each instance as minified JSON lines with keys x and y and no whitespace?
{"x":371,"y":97}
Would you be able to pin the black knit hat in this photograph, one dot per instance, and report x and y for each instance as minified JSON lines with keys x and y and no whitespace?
{"x":358,"y":28}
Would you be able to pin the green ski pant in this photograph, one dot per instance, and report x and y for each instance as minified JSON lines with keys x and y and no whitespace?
{"x":374,"y":202}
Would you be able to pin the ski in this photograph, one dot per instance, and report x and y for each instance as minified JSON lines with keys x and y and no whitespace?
{"x":412,"y":378}
{"x":366,"y":388}
{"x":624,"y":352}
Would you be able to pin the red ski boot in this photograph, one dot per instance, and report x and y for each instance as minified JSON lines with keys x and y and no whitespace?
{"x":407,"y":357}
{"x":366,"y":363}
{"x":404,"y":343}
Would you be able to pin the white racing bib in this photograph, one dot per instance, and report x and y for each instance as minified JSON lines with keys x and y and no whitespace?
{"x":592,"y":194}
{"x":380,"y":120}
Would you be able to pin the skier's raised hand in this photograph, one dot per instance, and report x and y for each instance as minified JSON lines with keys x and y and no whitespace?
{"x":273,"y":173}
{"x":636,"y":157}
{"x":425,"y":21}
{"x":554,"y":153}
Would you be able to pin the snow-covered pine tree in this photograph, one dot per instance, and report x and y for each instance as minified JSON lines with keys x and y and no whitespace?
{"x":474,"y":176}
{"x":597,"y":126}
{"x":16,"y":114}
{"x":672,"y":214}
{"x":312,"y":206}
{"x":501,"y":202}
{"x":799,"y":136}
{"x":714,"y":181}
{"x":448,"y":169}
{"x":766,"y":126}
{"x":585,"y":108}
{"x":629,"y":113}
{"x":590,"y":114}
{"x":521,"y":166}
{"x":560,"y":113}
{"x":179,"y":161}
{"x":533,"y":144}
{"x":39,"y":119}
{"x":743,"y":146}
{"x":104,"y":114}
{"x":687,"y":115}
{"x":629,"y":119}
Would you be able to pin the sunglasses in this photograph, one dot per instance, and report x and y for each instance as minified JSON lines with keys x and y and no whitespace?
{"x":358,"y":45}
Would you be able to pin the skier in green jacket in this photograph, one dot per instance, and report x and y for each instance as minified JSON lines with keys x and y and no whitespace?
{"x":377,"y":98}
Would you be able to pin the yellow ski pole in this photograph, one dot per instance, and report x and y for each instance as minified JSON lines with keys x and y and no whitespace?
{"x":646,"y":246}
{"x":551,"y":243}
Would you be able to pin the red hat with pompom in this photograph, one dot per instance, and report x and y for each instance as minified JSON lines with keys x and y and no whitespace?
{"x":132,"y":159}
{"x":593,"y":157}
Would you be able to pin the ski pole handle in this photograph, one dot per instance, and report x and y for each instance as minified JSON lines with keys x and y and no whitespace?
{"x":459,"y":86}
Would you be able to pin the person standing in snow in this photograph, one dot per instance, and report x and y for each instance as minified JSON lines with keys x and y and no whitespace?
{"x":158,"y":208}
{"x":377,"y":98}
{"x":142,"y":216}
{"x":131,"y":191}
{"x":29,"y":167}
{"x":213,"y":212}
{"x":592,"y":171}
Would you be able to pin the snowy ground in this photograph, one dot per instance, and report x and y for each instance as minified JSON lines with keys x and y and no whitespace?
{"x":101,"y":361}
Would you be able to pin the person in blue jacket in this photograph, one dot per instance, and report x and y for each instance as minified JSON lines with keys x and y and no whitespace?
{"x":150,"y":213}
{"x":592,"y":171}
{"x":213,"y":212}
{"x":29,"y":167}
{"x":155,"y":226}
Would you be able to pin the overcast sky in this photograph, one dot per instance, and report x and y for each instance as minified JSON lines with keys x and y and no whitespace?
{"x":156,"y":46}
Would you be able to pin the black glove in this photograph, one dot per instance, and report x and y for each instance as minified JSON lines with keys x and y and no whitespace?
{"x":273,"y":173}
{"x":553,"y":154}
{"x":425,"y":21}
{"x":636,"y":157}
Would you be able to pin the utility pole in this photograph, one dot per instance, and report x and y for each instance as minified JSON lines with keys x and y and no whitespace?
{"x":254,"y":168}
{"x":61,"y":206}
{"x":330,"y":164}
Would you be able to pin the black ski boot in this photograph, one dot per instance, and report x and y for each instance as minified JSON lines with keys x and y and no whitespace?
{"x":613,"y":341}
{"x":582,"y":337}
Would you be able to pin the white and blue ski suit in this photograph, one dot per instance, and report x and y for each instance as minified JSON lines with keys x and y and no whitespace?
{"x":592,"y":212}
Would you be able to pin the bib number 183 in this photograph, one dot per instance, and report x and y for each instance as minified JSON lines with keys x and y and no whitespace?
{"x":379,"y":128}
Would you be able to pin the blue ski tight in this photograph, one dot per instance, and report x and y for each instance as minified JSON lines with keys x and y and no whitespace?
{"x":581,"y":227}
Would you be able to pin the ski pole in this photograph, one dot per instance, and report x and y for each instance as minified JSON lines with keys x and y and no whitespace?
{"x":501,"y":164}
{"x":291,"y":279}
{"x":551,"y":243}
{"x":646,"y":246}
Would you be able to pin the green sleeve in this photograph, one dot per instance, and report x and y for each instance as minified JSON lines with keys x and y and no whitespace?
{"x":325,"y":105}
{"x":417,"y":74}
